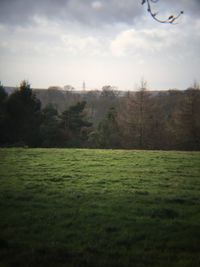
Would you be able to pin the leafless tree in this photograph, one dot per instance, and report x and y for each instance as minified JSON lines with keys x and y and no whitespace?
{"x":171,"y":19}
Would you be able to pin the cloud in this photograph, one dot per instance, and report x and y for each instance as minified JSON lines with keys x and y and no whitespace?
{"x":191,"y":7}
{"x":108,"y":38}
{"x":178,"y":44}
{"x":97,"y":5}
{"x":47,"y":38}
{"x":83,"y":45}
{"x":87,"y":11}
{"x":130,"y":42}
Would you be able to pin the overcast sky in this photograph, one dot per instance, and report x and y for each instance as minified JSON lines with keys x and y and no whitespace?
{"x":115,"y":42}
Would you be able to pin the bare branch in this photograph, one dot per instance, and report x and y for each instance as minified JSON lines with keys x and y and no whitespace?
{"x":170,"y":20}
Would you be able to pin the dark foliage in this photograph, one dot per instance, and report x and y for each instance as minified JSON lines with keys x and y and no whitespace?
{"x":49,"y":128}
{"x":23,"y":117}
{"x":3,"y":98}
{"x":74,"y":126}
{"x":108,"y":132}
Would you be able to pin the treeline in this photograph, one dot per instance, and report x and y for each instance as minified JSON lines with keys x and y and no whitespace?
{"x":135,"y":120}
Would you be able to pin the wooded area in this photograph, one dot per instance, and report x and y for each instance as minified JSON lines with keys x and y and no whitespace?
{"x":100,"y":119}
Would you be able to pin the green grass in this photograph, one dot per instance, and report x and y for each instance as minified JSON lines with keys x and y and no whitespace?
{"x":72,"y":207}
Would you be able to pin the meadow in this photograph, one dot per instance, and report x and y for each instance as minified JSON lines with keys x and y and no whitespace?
{"x":79,"y":207}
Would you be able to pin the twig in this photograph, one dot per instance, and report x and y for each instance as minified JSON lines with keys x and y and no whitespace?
{"x":171,"y":18}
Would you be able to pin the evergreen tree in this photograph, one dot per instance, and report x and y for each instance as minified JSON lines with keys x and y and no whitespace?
{"x":108,"y":130}
{"x":3,"y":98}
{"x":49,"y":129}
{"x":24,"y":116}
{"x":74,"y":125}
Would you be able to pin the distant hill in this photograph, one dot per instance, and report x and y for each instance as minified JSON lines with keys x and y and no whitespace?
{"x":98,"y":101}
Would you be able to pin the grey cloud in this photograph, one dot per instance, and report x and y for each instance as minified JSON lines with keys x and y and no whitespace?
{"x":91,"y":12}
{"x":112,"y":11}
{"x":195,"y":7}
{"x":191,"y":7}
{"x":22,"y":11}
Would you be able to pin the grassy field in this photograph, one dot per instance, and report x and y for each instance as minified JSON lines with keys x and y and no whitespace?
{"x":71,"y":207}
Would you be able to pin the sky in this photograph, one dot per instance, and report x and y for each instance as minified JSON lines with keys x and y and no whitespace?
{"x":104,"y":42}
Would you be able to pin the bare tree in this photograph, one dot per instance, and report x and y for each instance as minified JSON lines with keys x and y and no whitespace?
{"x":134,"y":117}
{"x":185,"y":120}
{"x":171,"y":19}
